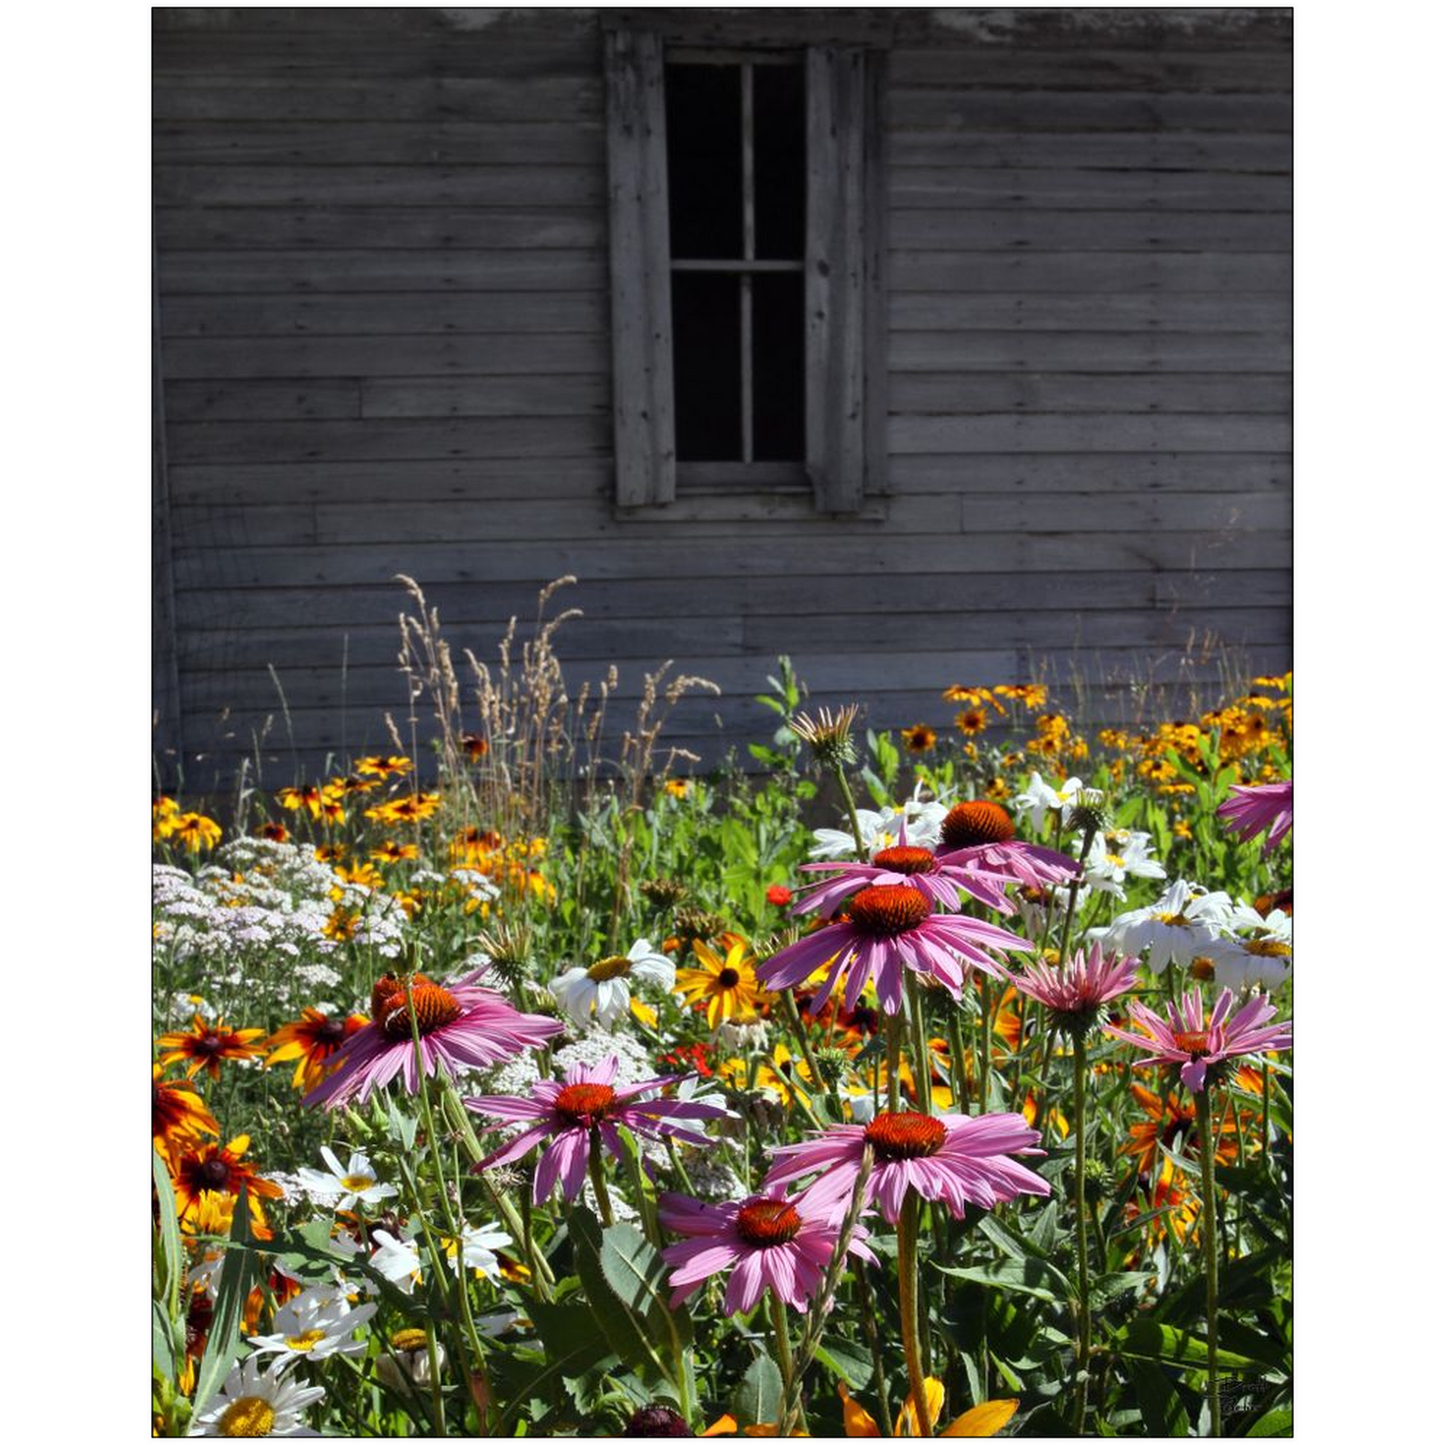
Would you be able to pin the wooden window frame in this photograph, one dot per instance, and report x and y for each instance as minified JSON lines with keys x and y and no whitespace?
{"x":843,"y":281}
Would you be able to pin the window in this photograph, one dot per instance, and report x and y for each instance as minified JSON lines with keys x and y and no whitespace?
{"x":746,"y":270}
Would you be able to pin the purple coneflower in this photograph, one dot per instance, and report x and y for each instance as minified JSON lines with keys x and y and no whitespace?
{"x":1202,"y":1049}
{"x":890,"y":928}
{"x":460,"y":1026}
{"x":1252,"y":810}
{"x":1074,"y":993}
{"x":783,"y":1244}
{"x":950,"y":1157}
{"x":570,"y":1113}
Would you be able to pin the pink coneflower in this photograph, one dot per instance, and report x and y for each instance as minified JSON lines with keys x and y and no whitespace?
{"x":784,"y":1244}
{"x":568,"y":1113}
{"x":1031,"y":864}
{"x":890,"y":928}
{"x":1075,"y":993}
{"x":950,"y":1157}
{"x":1201,"y":1049}
{"x":460,"y":1025}
{"x":905,"y":867}
{"x":1252,"y":810}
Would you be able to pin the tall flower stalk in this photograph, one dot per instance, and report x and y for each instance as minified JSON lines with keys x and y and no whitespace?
{"x":1081,"y":1236}
{"x":1202,"y":1112}
{"x":908,"y":1307}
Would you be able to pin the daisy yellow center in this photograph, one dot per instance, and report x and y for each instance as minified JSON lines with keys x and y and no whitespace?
{"x":585,"y":1102}
{"x":614,"y":967}
{"x":887,"y":912}
{"x":1193,"y":1042}
{"x":305,"y":1341}
{"x":969,"y":824}
{"x":1268,"y":948}
{"x":248,"y":1416}
{"x":906,"y":860}
{"x":357,"y":1183}
{"x":905,"y":1135}
{"x":1175,"y":920}
{"x":729,"y":978}
{"x":768,"y":1221}
{"x":435,"y":1008}
{"x":408,"y":1340}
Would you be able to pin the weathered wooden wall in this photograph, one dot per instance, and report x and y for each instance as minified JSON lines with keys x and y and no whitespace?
{"x":384,"y":312}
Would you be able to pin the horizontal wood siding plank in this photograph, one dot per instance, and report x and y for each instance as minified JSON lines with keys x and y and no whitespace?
{"x":218,"y":95}
{"x":394,"y":186}
{"x":1081,"y":273}
{"x":979,"y":229}
{"x":969,"y":393}
{"x":246,"y":273}
{"x":382,"y":227}
{"x":1163,"y":311}
{"x":498,"y":354}
{"x":921,"y":108}
{"x":1098,"y":351}
{"x":1128,"y":432}
{"x":1171,"y":71}
{"x":1127,"y":511}
{"x":400,"y":440}
{"x":1085,"y":190}
{"x":386,"y":314}
{"x":1101,"y":472}
{"x":1226,"y":151}
{"x":377,"y":142}
{"x":262,"y":400}
{"x":485,"y":605}
{"x":378,"y":562}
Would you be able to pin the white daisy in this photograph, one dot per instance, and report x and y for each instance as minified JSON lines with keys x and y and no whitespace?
{"x":1041,"y":798}
{"x":606,"y":987}
{"x":395,"y":1259}
{"x":342,"y":1188}
{"x":314,"y":1325}
{"x":1117,"y":855}
{"x":253,"y":1403}
{"x":1184,"y":923}
{"x":477,"y":1246}
{"x":883,"y":829}
{"x":1255,"y":951}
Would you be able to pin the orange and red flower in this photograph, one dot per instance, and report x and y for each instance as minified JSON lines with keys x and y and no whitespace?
{"x":313,"y":1041}
{"x":205,"y":1045}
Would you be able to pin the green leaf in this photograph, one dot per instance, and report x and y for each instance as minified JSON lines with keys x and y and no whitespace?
{"x":1149,"y":1340}
{"x":1044,"y":1236}
{"x":848,"y":1361}
{"x":170,"y":1232}
{"x":570,"y":1333}
{"x":1276,"y":1422}
{"x":624,"y":1331}
{"x":638,"y":1276}
{"x":1110,"y":1286}
{"x":163,"y":1354}
{"x":1164,"y":1412}
{"x":1021,"y":1276}
{"x":234,"y":1285}
{"x":759,"y":1399}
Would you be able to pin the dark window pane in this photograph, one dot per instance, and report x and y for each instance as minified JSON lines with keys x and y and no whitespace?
{"x":778,"y":367}
{"x":780,"y":146}
{"x":705,"y":161}
{"x":707,"y":366}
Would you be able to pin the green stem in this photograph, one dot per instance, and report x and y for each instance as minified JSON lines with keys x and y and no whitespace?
{"x":1081,"y":1237}
{"x":894,"y":1024}
{"x":870,"y":1332}
{"x":795,"y":1023}
{"x":959,"y":1061}
{"x":908,"y":1308}
{"x":852,"y":812}
{"x":599,"y":1184}
{"x":985,"y":1048}
{"x":1211,"y":1258}
{"x":780,"y":1341}
{"x":922,"y":1057}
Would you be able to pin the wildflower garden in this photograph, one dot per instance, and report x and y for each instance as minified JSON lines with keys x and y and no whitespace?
{"x":915,"y":1081}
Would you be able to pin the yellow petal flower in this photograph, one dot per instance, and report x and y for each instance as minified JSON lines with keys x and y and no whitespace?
{"x":986,"y":1419}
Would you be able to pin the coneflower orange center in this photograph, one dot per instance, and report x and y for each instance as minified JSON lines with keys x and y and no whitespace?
{"x":888,"y":911}
{"x":768,"y":1221}
{"x":435,"y":1008}
{"x":906,"y":860}
{"x":905,"y":1135}
{"x":1194,"y":1042}
{"x":585,"y":1102}
{"x":969,"y":824}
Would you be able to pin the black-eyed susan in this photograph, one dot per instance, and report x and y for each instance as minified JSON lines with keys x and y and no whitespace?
{"x":475,"y":746}
{"x":273,"y":832}
{"x":313,"y":1041}
{"x":196,"y":831}
{"x":204,"y":1045}
{"x":678,"y":787}
{"x":393,"y":852}
{"x":970,"y":721}
{"x":920,"y":738}
{"x":295,"y":799}
{"x":164,"y":812}
{"x":351,"y":784}
{"x":330,"y":852}
{"x":410,"y":808}
{"x":361,"y":874}
{"x":384,"y":767}
{"x":219,"y":1169}
{"x":724,"y":983}
{"x":179,"y":1117}
{"x":980,"y":1422}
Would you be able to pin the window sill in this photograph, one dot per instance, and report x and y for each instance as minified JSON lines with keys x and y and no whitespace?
{"x":735,"y":503}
